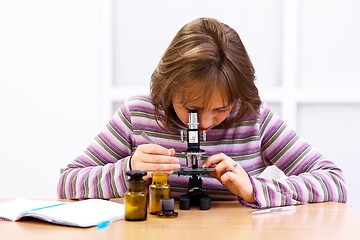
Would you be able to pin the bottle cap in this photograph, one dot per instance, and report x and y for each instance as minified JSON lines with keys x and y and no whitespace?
{"x":136,"y":175}
{"x":167,"y":208}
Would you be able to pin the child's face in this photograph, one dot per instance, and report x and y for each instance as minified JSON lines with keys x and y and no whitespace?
{"x":213,"y":115}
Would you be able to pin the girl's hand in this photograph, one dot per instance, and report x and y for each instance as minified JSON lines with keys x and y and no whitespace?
{"x":152,"y":158}
{"x":232,"y":175}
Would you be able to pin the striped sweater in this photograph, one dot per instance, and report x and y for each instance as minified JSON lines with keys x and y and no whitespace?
{"x":255,"y":143}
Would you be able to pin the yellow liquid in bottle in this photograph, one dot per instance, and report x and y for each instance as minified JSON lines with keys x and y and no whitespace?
{"x":157,"y":190}
{"x":136,"y":197}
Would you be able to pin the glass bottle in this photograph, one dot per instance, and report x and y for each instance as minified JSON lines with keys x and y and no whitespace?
{"x":158,"y":189}
{"x":135,"y":197}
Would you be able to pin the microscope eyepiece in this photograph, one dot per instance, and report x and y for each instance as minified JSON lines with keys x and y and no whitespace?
{"x":193,"y":120}
{"x":193,"y":134}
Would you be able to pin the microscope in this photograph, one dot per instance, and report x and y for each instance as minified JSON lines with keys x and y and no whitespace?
{"x":195,"y":196}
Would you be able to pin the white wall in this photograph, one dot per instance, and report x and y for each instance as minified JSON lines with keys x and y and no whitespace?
{"x":49,"y":72}
{"x":65,"y":64}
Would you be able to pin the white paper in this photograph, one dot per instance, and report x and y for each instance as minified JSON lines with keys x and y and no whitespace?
{"x":83,"y":213}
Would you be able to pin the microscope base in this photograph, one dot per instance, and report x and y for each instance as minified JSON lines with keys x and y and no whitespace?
{"x":194,"y":199}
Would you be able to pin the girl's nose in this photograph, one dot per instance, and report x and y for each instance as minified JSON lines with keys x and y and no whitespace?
{"x":206,"y":119}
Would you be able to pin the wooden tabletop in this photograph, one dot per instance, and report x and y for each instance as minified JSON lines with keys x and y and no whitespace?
{"x":225,"y":220}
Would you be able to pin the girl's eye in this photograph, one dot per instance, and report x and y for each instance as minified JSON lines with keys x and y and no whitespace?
{"x":224,"y":110}
{"x":191,"y":108}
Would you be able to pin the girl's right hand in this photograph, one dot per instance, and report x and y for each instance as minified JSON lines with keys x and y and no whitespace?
{"x":154,"y":158}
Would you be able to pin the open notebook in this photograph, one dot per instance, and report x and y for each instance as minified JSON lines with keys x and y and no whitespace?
{"x":84,"y":213}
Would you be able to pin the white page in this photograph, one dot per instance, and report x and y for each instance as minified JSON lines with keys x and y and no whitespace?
{"x":11,"y":210}
{"x":82,"y":213}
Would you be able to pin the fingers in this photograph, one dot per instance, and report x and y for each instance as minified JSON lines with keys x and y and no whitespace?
{"x":232,"y":175}
{"x":239,"y":184}
{"x":232,"y":182}
{"x":229,"y":177}
{"x":159,"y":167}
{"x":214,"y":159}
{"x":223,"y":166}
{"x":223,"y":163}
{"x":153,"y":157}
{"x":150,"y":174}
{"x":155,"y":149}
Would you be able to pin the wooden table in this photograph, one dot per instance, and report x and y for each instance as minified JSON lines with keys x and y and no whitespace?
{"x":225,"y":220}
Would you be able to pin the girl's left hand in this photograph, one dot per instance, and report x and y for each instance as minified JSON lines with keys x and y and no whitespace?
{"x":232,"y":175}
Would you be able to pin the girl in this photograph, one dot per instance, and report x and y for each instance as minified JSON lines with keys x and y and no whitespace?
{"x":206,"y":68}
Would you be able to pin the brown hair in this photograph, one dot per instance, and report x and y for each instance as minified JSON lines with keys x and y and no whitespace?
{"x":204,"y":55}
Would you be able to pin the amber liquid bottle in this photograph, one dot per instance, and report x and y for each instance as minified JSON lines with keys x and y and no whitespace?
{"x":135,"y":197}
{"x":159,"y":189}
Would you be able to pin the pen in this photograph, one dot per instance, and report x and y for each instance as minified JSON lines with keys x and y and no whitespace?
{"x":275,"y":209}
{"x":103,"y":225}
{"x":147,"y":138}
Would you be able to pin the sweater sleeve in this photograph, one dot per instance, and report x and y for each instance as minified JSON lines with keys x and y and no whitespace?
{"x":99,"y":172}
{"x":310,"y":176}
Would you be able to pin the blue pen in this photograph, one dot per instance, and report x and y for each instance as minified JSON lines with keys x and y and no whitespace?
{"x":103,"y":225}
{"x":39,"y":208}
